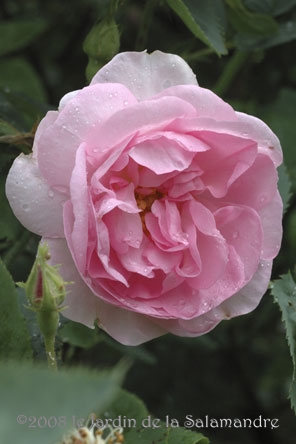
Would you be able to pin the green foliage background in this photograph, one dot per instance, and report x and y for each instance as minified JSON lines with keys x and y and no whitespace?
{"x":245,"y":51}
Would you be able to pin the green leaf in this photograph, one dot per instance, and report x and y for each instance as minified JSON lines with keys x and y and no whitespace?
{"x":56,"y":400}
{"x":248,"y":22}
{"x":286,"y":33}
{"x":18,"y":34}
{"x":6,"y":129}
{"x":17,"y":75}
{"x":146,"y":429}
{"x":280,"y":115}
{"x":270,"y":7}
{"x":205,"y":19}
{"x":14,"y":336}
{"x":78,"y":335}
{"x":284,"y":292}
{"x":284,"y":185}
{"x":9,"y":225}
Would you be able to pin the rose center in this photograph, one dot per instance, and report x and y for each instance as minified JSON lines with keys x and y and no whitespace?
{"x":145,"y":198}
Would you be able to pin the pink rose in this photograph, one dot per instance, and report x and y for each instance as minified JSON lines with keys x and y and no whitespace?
{"x":158,"y":199}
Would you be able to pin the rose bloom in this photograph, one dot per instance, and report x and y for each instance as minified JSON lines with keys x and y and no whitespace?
{"x":158,"y":200}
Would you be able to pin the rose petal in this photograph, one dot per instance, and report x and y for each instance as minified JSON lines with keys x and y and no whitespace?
{"x":257,"y":186}
{"x":146,"y":74}
{"x":206,"y":103}
{"x":83,"y":306}
{"x":80,"y":301}
{"x":87,"y":110}
{"x":228,"y":159}
{"x":241,"y":227}
{"x":257,"y":130}
{"x":161,"y":156}
{"x":38,"y":207}
{"x":271,"y":219}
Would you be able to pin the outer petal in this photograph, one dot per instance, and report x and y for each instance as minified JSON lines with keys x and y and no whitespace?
{"x":206,"y":103}
{"x":259,"y":131}
{"x":240,"y":303}
{"x":141,"y":72}
{"x":271,"y":219}
{"x":87,"y":110}
{"x":248,"y":297}
{"x":83,"y":306}
{"x":244,"y":126}
{"x":38,"y":207}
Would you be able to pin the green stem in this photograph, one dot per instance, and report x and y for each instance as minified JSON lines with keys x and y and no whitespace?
{"x":48,"y":322}
{"x":232,"y":68}
{"x":141,"y":42}
{"x":193,"y":56}
{"x":50,"y":353}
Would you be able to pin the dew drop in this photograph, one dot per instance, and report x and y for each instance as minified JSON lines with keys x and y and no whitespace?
{"x":167,"y":83}
{"x":50,"y":194}
{"x":262,"y":198}
{"x":25,"y":207}
{"x":125,"y":103}
{"x":235,"y":235}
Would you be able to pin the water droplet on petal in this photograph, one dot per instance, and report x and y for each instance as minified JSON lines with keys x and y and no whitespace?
{"x":50,"y":194}
{"x":25,"y":207}
{"x":262,"y":198}
{"x":167,"y":83}
{"x":235,"y":235}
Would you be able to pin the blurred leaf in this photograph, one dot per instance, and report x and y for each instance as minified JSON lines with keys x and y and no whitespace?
{"x":35,"y":392}
{"x":248,"y":22}
{"x":18,"y":34}
{"x":78,"y":335}
{"x":14,"y":336}
{"x":280,"y":115}
{"x":284,"y":292}
{"x":7,"y":129}
{"x":20,"y":111}
{"x":286,"y":33}
{"x":17,"y":75}
{"x":270,"y":7}
{"x":205,"y":19}
{"x":284,"y":185}
{"x":146,"y":429}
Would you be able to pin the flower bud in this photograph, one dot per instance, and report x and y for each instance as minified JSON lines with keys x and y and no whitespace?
{"x":101,"y":44}
{"x":45,"y":288}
